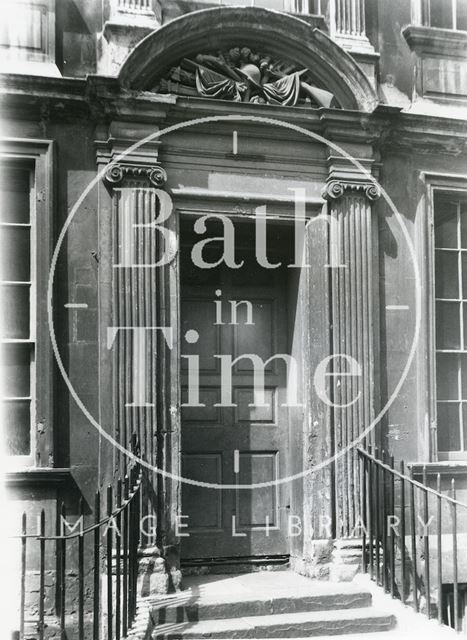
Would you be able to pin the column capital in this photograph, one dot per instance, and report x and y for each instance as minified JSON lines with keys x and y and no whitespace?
{"x":137,"y":174}
{"x":345,"y":177}
{"x":335,"y":189}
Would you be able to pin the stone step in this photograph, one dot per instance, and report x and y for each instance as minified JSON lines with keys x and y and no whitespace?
{"x":282,"y":625}
{"x":192,"y":608}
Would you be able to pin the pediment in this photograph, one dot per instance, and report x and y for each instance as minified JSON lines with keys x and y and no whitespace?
{"x":279,"y":46}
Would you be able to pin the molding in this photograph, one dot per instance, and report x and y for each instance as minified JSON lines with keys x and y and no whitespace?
{"x":233,"y":196}
{"x":38,"y":477}
{"x":431,"y":40}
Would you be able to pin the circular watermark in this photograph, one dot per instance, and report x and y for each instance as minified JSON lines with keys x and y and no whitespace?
{"x":191,"y":337}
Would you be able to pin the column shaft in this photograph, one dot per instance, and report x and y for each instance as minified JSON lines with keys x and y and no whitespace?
{"x":353,"y":326}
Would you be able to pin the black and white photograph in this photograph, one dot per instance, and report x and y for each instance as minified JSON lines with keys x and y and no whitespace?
{"x":233,"y":319}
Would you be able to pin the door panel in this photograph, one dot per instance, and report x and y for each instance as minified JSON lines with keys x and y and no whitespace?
{"x":242,"y":444}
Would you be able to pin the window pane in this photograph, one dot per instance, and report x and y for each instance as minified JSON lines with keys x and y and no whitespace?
{"x":14,"y":302}
{"x":17,"y":421}
{"x":445,"y":224}
{"x":448,"y":325}
{"x":463,"y":363}
{"x":448,"y":427}
{"x":446,"y":274}
{"x":464,"y":225}
{"x":15,"y":253}
{"x":14,"y":198}
{"x":16,"y":370}
{"x":462,"y":15}
{"x":464,"y":424}
{"x":441,"y":14}
{"x":447,"y":376}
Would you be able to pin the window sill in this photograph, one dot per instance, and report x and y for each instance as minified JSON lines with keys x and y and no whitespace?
{"x":431,"y":40}
{"x":45,"y":476}
{"x":30,"y":68}
{"x":445,"y":467}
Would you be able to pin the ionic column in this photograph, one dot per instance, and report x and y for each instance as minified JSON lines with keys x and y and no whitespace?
{"x":354,"y":285}
{"x":134,"y":303}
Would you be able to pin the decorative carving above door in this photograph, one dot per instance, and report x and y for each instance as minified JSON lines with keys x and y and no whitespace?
{"x":243,"y":75}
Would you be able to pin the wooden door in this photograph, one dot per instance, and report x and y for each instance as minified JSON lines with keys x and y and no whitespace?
{"x":241,"y":444}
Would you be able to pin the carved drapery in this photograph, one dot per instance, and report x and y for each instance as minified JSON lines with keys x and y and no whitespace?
{"x":243,"y":75}
{"x":353,"y":317}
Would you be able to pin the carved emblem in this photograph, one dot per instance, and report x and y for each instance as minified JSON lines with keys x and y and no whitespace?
{"x":240,"y":75}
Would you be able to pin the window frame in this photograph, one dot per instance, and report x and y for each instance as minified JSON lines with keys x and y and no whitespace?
{"x":421,"y":15}
{"x":426,"y":15}
{"x":455,"y":186}
{"x":46,"y":8}
{"x":39,"y":156}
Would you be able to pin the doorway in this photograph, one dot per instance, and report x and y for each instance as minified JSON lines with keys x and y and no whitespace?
{"x":230,"y":435}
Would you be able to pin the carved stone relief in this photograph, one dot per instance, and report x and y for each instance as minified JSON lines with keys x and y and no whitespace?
{"x":242,"y":75}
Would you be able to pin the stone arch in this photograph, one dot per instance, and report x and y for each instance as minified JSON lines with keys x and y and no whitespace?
{"x":283,"y":34}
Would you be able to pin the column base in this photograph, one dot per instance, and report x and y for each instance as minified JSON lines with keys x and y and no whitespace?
{"x":346,"y":559}
{"x":317,"y":565}
{"x":153,"y":577}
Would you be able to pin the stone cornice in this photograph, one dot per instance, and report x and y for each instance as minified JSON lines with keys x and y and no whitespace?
{"x":431,"y":40}
{"x":38,"y":476}
{"x":100,"y":98}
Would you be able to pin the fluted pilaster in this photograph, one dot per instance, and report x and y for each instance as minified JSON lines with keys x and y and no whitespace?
{"x":354,"y":321}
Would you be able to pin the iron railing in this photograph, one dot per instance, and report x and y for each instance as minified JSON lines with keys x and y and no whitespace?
{"x":91,"y":571}
{"x":406,"y":527}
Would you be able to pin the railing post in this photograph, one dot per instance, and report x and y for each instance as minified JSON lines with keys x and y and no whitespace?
{"x":363,"y":468}
{"x":96,"y":603}
{"x":369,"y":472}
{"x":23,"y":575}
{"x":126,"y":493}
{"x":81,"y":575}
{"x":413,"y":526}
{"x":377,"y":519}
{"x":426,"y":541}
{"x":455,"y":583}
{"x":392,"y":557}
{"x":42,"y":575}
{"x":385,"y":526}
{"x":62,"y":581}
{"x":440,"y":559}
{"x":109,"y":565}
{"x":118,"y":585}
{"x":402,"y":532}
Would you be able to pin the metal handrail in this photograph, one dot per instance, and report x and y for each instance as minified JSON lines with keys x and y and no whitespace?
{"x":383,"y":496}
{"x":409,"y":479}
{"x":119,"y":552}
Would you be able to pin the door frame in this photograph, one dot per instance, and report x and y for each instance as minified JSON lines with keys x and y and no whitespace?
{"x":315,"y":499}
